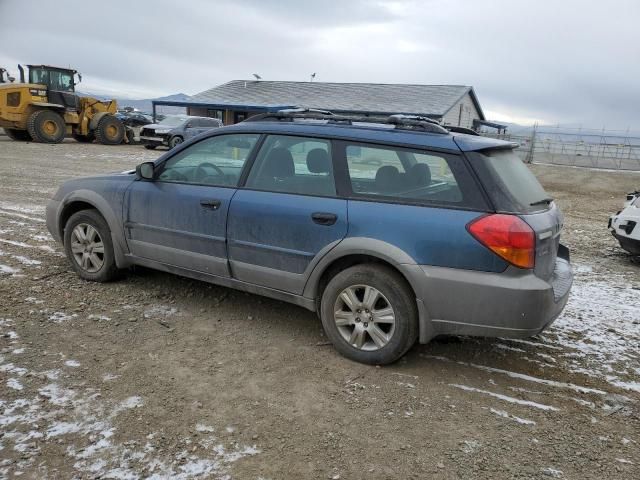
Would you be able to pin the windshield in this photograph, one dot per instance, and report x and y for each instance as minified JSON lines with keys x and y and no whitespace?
{"x":513,"y":188}
{"x":54,"y":79}
{"x":173,"y":121}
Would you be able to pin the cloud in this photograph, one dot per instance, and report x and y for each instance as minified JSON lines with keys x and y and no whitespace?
{"x":567,"y":62}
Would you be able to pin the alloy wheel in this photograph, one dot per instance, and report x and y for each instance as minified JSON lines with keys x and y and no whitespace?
{"x":364,"y":317}
{"x":87,"y":247}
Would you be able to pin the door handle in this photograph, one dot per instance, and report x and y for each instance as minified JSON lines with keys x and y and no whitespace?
{"x":323,"y":218}
{"x":212,"y":204}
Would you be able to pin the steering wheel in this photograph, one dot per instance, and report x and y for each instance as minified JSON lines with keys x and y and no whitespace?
{"x":201,"y":172}
{"x":173,"y":175}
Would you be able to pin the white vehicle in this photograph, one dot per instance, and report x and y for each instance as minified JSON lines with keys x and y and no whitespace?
{"x":624,"y":224}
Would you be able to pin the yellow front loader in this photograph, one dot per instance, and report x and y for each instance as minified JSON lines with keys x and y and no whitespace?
{"x":46,"y":108}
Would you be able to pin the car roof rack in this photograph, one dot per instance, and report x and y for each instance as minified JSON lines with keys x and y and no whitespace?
{"x":465,"y":130}
{"x":404,"y":122}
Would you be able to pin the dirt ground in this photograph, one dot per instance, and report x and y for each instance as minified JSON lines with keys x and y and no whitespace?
{"x":157,"y":376}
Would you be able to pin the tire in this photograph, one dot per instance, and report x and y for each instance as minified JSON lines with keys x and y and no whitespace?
{"x":46,"y":126}
{"x":150,"y":147}
{"x":175,"y":141}
{"x":83,"y":138}
{"x":18,"y":135}
{"x":110,"y":131}
{"x":99,"y":267}
{"x":393,"y":291}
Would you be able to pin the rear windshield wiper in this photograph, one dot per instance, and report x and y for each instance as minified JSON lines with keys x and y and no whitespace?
{"x":547,"y":200}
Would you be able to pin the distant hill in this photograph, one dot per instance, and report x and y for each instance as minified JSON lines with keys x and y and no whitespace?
{"x":144,"y":105}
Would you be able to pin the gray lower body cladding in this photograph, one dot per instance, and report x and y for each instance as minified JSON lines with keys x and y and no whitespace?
{"x":514,"y":303}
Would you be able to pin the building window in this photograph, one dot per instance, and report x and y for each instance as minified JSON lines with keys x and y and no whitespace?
{"x":213,"y":113}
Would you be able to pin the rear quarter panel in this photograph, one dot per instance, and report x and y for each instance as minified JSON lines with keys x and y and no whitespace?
{"x":430,"y":236}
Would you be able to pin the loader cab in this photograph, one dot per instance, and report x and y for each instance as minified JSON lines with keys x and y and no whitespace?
{"x":60,"y":84}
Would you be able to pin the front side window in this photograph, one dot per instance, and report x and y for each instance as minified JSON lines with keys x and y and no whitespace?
{"x":216,"y":161}
{"x":414,"y":175}
{"x":294,"y":165}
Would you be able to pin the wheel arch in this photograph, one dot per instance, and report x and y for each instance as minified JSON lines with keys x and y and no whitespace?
{"x":88,"y":200}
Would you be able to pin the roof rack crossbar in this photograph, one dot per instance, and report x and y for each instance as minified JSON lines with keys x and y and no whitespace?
{"x":404,"y":122}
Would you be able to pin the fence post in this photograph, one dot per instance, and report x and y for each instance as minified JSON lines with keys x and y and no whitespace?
{"x":529,"y":157}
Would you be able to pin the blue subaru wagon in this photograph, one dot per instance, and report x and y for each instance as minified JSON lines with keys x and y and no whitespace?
{"x":392,"y":229}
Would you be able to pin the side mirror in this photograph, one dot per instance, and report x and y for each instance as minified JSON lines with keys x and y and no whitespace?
{"x":145,"y":171}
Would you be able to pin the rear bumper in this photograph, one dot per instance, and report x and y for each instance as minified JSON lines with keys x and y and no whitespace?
{"x":514,"y":303}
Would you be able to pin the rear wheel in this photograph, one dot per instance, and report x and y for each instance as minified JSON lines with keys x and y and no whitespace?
{"x":83,"y":138}
{"x":369,"y":313}
{"x":18,"y":135}
{"x":88,"y":245}
{"x":46,"y":126}
{"x":110,"y":131}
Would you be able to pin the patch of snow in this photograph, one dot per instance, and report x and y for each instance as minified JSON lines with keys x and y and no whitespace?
{"x":131,"y":402}
{"x":601,"y":324}
{"x":622,"y":460}
{"x":59,"y":317}
{"x":470,"y":446}
{"x":522,"y":376}
{"x":504,"y":414}
{"x":33,"y":300}
{"x":107,"y":377}
{"x":502,"y":346}
{"x":20,"y":215}
{"x":98,"y":317}
{"x":46,"y":248}
{"x":406,"y":384}
{"x":14,"y":383}
{"x":7,"y":270}
{"x":11,"y":368}
{"x":552,"y":472}
{"x":26,"y":260}
{"x":18,"y":351}
{"x":42,"y":238}
{"x":160,"y":311}
{"x":72,"y":363}
{"x":506,"y":398}
{"x":204,"y":428}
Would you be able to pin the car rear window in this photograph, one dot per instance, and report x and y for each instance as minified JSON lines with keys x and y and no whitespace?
{"x":512,"y":187}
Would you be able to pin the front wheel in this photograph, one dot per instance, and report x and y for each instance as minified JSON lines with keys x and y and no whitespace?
{"x":369,"y":313}
{"x":175,"y":141}
{"x":88,"y":245}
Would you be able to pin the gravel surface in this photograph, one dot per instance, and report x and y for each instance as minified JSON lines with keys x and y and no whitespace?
{"x":157,"y":376}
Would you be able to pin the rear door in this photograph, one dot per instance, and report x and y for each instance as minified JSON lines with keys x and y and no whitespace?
{"x":287,"y":215}
{"x":180,"y":218}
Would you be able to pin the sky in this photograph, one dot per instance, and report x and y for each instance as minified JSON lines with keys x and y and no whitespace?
{"x":553,"y":62}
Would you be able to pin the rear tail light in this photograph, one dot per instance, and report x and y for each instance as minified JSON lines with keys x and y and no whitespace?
{"x":508,"y":236}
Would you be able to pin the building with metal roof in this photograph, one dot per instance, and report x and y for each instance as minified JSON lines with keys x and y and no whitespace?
{"x":236,"y":100}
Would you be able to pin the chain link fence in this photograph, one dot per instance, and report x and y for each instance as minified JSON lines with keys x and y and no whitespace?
{"x":578,"y":147}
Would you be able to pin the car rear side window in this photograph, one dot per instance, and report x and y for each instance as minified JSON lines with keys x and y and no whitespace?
{"x":414,"y":176}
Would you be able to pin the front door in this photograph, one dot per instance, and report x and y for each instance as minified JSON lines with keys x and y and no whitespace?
{"x":180,"y":217}
{"x":287,"y":217}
